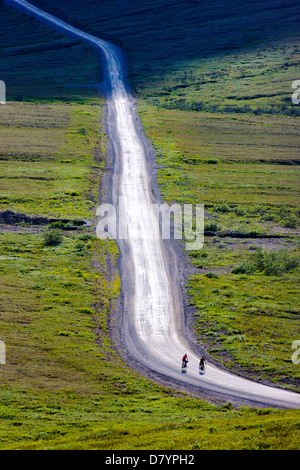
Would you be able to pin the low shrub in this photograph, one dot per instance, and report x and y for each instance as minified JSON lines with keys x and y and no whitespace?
{"x":211,"y":227}
{"x":276,"y":263}
{"x":272,"y":263}
{"x":291,"y":222}
{"x":212,"y":275}
{"x":245,"y":268}
{"x":52,"y":237}
{"x":223,"y":207}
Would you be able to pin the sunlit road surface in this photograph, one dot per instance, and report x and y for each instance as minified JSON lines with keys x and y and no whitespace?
{"x":152,"y":305}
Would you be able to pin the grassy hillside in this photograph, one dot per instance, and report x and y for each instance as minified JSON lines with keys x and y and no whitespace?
{"x":38,"y":63}
{"x":244,"y":169}
{"x":191,"y":55}
{"x":64,"y":385}
{"x":47,"y":152}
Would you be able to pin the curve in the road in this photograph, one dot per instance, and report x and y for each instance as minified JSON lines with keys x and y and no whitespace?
{"x":152,"y":302}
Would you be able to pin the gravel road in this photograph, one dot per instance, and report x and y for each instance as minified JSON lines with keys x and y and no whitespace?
{"x":152,"y":319}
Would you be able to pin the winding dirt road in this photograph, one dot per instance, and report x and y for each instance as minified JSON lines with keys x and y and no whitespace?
{"x":153,"y":307}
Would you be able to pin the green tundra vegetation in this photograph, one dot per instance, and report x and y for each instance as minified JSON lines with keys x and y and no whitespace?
{"x":219,"y":115}
{"x":245,"y":291}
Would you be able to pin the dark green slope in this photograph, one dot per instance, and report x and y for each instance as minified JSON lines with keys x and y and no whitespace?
{"x":191,"y":27}
{"x":157,"y":36}
{"x":37,"y":62}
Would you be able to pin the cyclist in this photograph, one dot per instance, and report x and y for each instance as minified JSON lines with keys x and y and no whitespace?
{"x":202,"y":363}
{"x":184,"y":360}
